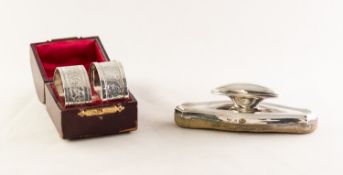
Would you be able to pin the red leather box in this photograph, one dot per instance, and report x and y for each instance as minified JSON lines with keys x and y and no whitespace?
{"x":95,"y":119}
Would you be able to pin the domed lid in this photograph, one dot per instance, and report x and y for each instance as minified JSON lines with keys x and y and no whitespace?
{"x":244,"y":90}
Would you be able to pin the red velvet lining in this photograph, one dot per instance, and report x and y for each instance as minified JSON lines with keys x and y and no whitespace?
{"x":67,"y":53}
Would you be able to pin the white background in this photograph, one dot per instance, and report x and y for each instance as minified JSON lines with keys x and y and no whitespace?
{"x":176,"y":51}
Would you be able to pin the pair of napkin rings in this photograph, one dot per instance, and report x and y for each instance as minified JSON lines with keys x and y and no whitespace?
{"x":107,"y":79}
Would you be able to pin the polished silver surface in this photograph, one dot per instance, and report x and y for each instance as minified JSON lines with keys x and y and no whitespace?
{"x":108,"y":80}
{"x":245,"y":112}
{"x":245,"y":96}
{"x":72,"y":85}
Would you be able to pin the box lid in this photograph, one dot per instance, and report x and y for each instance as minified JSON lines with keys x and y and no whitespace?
{"x":67,"y":52}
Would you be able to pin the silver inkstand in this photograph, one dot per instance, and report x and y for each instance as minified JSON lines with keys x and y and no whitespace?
{"x":245,"y":112}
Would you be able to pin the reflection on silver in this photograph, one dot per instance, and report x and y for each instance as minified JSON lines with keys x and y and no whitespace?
{"x":245,"y":112}
{"x":72,"y":85}
{"x":108,"y":80}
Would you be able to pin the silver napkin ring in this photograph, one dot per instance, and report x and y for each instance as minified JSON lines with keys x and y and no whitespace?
{"x":72,"y":85}
{"x":108,"y":80}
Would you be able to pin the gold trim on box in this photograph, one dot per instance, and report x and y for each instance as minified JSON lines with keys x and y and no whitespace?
{"x":101,"y":111}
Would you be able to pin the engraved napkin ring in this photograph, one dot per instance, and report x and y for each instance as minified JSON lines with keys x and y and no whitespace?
{"x":108,"y":80}
{"x":72,"y":85}
{"x":245,"y":112}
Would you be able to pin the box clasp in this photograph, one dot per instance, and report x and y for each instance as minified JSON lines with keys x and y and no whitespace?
{"x":101,"y":111}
